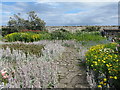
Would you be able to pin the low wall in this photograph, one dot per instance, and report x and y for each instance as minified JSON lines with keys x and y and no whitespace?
{"x":74,"y":28}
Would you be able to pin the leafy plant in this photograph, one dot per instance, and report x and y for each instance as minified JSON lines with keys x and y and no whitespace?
{"x":26,"y":37}
{"x":105,"y":61}
{"x":87,"y":36}
{"x":31,"y":49}
{"x":61,"y":35}
{"x":91,"y":29}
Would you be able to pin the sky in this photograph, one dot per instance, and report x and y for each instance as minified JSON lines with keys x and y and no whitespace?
{"x":63,"y":12}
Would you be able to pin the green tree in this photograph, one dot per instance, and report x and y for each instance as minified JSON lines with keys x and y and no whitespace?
{"x":35,"y":22}
{"x":16,"y":23}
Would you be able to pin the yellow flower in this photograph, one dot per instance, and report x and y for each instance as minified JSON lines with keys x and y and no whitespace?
{"x":92,"y":65}
{"x":110,"y":65}
{"x":101,"y":82}
{"x":111,"y":76}
{"x":115,"y":77}
{"x":99,"y":60}
{"x":105,"y":79}
{"x":115,"y":56}
{"x":104,"y":83}
{"x":96,"y":64}
{"x":107,"y":65}
{"x":117,"y":60}
{"x":99,"y":85}
{"x":103,"y":61}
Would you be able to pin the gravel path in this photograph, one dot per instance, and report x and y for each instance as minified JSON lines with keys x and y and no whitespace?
{"x":70,"y":73}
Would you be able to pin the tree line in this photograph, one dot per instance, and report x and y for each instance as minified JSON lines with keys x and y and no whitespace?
{"x":17,"y":23}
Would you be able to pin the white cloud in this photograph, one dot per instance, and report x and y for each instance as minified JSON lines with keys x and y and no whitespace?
{"x":18,"y":0}
{"x":44,"y":1}
{"x":89,"y":13}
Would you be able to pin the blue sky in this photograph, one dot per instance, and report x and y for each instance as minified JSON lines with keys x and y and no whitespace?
{"x":63,"y":13}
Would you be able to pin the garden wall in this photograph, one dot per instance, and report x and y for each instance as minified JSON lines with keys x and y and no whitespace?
{"x":74,"y":28}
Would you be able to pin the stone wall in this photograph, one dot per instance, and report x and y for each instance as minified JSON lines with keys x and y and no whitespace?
{"x":74,"y":28}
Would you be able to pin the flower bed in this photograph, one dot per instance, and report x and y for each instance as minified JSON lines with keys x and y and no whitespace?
{"x":26,"y":37}
{"x":36,"y":35}
{"x":104,"y":60}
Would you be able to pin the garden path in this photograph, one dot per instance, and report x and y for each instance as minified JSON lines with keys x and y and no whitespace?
{"x":71,"y":72}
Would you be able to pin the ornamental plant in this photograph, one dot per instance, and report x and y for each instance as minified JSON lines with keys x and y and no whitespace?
{"x":31,"y":49}
{"x":61,"y":35}
{"x":26,"y":37}
{"x":88,"y":36}
{"x":4,"y":75}
{"x":105,"y":61}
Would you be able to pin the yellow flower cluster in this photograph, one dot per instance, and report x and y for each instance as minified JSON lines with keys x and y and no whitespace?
{"x":27,"y":37}
{"x":36,"y":36}
{"x":104,"y":59}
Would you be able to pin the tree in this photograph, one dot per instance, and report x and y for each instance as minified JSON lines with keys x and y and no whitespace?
{"x":17,"y":23}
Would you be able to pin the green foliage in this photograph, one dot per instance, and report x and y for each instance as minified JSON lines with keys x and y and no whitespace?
{"x":104,"y":60}
{"x":17,"y":23}
{"x":45,"y":36}
{"x":61,"y":35}
{"x":7,"y":30}
{"x":91,"y":28}
{"x":55,"y":35}
{"x":31,"y":49}
{"x":87,"y":36}
{"x":26,"y":37}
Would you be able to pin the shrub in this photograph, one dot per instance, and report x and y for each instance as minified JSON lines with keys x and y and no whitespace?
{"x":7,"y":30}
{"x":30,"y":36}
{"x":105,"y":61}
{"x":91,"y":28}
{"x":33,"y":22}
{"x":61,"y":35}
{"x":88,"y":36}
{"x":26,"y":37}
{"x":45,"y":36}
